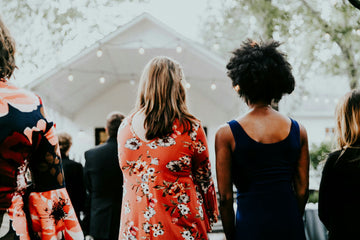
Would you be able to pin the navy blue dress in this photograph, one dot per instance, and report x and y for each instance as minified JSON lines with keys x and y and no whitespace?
{"x":263,"y":173}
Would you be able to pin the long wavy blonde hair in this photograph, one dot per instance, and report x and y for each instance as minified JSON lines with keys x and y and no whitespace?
{"x":348,"y":119}
{"x":162,"y":97}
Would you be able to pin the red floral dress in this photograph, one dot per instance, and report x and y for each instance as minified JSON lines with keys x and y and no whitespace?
{"x":168,"y":189}
{"x":32,"y":189}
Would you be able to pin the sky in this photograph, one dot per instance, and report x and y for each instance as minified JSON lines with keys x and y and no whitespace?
{"x":184,"y":16}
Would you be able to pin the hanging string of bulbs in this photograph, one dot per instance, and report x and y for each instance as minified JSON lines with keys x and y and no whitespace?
{"x":141,"y":50}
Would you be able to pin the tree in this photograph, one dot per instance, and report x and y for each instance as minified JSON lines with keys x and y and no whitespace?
{"x":319,"y":36}
{"x":318,"y":153}
{"x":51,"y":31}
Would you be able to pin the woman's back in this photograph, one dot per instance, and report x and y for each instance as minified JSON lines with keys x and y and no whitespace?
{"x":264,"y":163}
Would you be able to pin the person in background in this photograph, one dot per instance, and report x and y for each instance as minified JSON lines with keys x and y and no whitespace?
{"x":263,"y":153}
{"x":73,"y":173}
{"x":104,"y":180}
{"x":164,"y":157}
{"x":34,"y":203}
{"x":339,"y":195}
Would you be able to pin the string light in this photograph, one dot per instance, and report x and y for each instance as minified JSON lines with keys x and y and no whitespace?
{"x":71,"y":77}
{"x":132,"y":82}
{"x":178,"y":49}
{"x":187,"y":85}
{"x":102,"y":79}
{"x":216,"y":46}
{"x":141,"y":51}
{"x":213,"y":86}
{"x":99,"y":53}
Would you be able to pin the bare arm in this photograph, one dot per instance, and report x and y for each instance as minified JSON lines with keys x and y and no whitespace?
{"x":301,"y":179}
{"x":223,"y":151}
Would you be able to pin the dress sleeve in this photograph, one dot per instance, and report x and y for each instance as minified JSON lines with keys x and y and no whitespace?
{"x":49,"y":210}
{"x":201,"y":169}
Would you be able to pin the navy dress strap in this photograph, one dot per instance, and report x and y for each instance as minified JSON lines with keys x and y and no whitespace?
{"x":236,"y":130}
{"x":295,"y":132}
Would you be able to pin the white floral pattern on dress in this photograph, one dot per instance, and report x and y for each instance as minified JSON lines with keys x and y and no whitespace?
{"x":165,"y":179}
{"x":133,"y":143}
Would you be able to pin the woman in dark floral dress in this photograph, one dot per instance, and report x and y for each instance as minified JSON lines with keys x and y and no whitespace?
{"x":34,"y":203}
{"x":168,"y":189}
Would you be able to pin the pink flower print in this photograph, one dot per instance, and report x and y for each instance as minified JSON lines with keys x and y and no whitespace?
{"x":20,"y":99}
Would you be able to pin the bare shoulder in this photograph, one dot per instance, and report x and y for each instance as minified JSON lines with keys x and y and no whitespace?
{"x":224,"y":136}
{"x":223,"y":132}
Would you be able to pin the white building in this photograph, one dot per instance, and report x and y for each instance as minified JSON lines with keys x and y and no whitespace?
{"x":80,"y":92}
{"x":104,"y":77}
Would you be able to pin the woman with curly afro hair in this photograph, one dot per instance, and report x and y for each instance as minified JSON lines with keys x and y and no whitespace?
{"x":263,"y":153}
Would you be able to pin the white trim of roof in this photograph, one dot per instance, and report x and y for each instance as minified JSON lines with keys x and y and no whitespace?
{"x":207,"y":55}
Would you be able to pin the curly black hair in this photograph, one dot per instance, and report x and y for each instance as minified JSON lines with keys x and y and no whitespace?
{"x":7,"y":53}
{"x":259,"y":72}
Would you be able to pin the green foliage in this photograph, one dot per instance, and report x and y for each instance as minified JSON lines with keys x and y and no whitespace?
{"x":318,"y":153}
{"x":319,"y":36}
{"x":313,"y":196}
{"x":48,"y":32}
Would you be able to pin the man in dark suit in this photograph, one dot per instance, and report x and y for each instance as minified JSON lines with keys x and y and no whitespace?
{"x":103,"y":179}
{"x":73,"y":172}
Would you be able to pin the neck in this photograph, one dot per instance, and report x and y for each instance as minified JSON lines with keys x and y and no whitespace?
{"x":260,"y":106}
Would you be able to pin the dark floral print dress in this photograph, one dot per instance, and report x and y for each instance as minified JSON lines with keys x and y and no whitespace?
{"x":32,"y":187}
{"x":168,"y":189}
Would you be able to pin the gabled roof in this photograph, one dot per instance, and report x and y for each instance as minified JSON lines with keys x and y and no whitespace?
{"x":121,"y":62}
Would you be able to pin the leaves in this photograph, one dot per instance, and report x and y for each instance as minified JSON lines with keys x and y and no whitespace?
{"x":50,"y":32}
{"x":314,"y":33}
{"x":318,"y":153}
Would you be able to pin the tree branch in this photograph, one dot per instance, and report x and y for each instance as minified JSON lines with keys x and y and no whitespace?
{"x":355,"y":3}
{"x":345,"y":50}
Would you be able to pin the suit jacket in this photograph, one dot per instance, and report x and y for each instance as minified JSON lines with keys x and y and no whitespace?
{"x":74,"y":182}
{"x":104,"y":180}
{"x":339,"y":194}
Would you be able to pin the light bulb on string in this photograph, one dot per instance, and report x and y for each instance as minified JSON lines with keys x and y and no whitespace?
{"x":99,"y":53}
{"x":132,"y":82}
{"x":187,"y":85}
{"x":70,"y":77}
{"x":213,"y":86}
{"x":178,"y":49}
{"x":141,"y":51}
{"x":102,"y":79}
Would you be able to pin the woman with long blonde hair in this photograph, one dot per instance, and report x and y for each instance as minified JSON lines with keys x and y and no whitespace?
{"x":339,"y":195}
{"x":168,"y":189}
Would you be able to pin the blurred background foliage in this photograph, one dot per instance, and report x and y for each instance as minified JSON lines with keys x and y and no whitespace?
{"x":319,"y":36}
